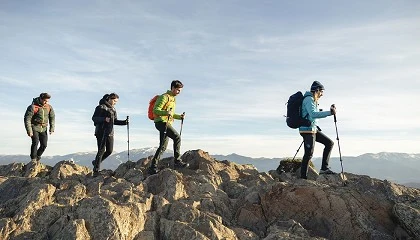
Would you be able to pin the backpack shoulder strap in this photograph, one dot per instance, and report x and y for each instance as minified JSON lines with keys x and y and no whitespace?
{"x":301,"y":108}
{"x":167,"y":102}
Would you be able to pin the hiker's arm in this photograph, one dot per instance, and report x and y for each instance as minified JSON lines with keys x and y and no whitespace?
{"x":119,"y":122}
{"x":310,"y":106}
{"x":27,"y":119}
{"x":51,"y":117}
{"x":177,"y":116}
{"x":160,"y":103}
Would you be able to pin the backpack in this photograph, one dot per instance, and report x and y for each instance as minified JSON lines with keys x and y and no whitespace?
{"x":294,"y":117}
{"x":152,"y":102}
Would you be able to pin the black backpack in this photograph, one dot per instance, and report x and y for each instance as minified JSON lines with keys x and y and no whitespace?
{"x":294,"y":117}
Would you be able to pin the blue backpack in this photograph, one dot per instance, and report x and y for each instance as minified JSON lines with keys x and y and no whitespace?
{"x":294,"y":117}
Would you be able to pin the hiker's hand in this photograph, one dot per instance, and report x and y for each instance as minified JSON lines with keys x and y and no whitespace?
{"x":127,"y":121}
{"x":107,"y":119}
{"x":51,"y":133}
{"x":183,"y":116}
{"x":30,"y":134}
{"x":333,"y":110}
{"x":170,"y":113}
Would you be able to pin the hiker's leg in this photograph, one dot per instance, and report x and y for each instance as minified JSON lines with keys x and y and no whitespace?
{"x":174,"y":135}
{"x":328,"y":143}
{"x":163,"y":143}
{"x":34,"y":145}
{"x":308,"y":146}
{"x":43,"y":140}
{"x":109,"y":146}
{"x":101,"y":150}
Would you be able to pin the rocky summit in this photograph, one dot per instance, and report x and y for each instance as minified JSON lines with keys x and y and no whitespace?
{"x":211,"y":199}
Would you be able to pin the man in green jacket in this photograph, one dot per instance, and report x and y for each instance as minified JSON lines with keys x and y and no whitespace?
{"x":164,"y":111}
{"x":36,"y":119}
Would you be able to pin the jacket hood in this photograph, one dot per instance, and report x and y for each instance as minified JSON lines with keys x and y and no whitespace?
{"x":308,"y":93}
{"x":102,"y":101}
{"x":105,"y":102}
{"x":37,"y":101}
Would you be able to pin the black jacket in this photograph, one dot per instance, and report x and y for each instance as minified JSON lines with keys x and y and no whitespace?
{"x":102,"y":111}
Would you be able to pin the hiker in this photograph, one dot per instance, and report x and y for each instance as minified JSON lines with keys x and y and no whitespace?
{"x":104,"y":119}
{"x":164,"y":109}
{"x":313,"y":133}
{"x":36,"y":119}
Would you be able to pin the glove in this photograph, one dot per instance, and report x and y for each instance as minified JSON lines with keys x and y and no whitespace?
{"x":127,"y":121}
{"x":183,"y":116}
{"x":333,"y":110}
{"x":170,"y":113}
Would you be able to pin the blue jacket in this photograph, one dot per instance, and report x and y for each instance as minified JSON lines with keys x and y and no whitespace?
{"x":310,"y":111}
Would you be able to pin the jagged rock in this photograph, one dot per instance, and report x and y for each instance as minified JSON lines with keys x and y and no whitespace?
{"x":75,"y":229}
{"x":67,"y":169}
{"x":209,"y":225}
{"x":167,"y":183}
{"x":179,"y":230}
{"x":7,"y":226}
{"x":12,"y":170}
{"x":243,"y":234}
{"x":409,"y":218}
{"x":209,"y":200}
{"x":288,"y":230}
{"x":35,"y":169}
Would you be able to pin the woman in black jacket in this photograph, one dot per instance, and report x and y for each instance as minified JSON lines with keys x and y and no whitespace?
{"x":104,"y":118}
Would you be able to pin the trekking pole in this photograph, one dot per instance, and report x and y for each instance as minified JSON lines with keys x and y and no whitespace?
{"x":128,"y":138}
{"x":339,"y":151}
{"x":298,"y":150}
{"x":182,"y":123}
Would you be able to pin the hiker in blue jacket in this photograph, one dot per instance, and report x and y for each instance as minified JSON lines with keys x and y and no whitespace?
{"x":313,"y":132}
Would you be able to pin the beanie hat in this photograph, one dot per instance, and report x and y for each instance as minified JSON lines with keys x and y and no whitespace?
{"x":317,"y":85}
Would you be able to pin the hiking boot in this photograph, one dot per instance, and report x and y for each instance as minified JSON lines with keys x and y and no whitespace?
{"x":95,"y":173}
{"x":326,"y":171}
{"x":180,"y":164}
{"x":38,"y":158}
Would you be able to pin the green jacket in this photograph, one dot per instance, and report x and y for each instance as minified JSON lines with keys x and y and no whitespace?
{"x":163,"y":104}
{"x":37,"y":117}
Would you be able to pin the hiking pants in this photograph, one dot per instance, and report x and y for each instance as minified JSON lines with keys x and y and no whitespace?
{"x":163,"y":142}
{"x":309,"y":140}
{"x":38,"y":137}
{"x":105,"y":148}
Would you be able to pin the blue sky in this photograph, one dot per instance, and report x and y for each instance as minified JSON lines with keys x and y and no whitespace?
{"x":239,"y":62}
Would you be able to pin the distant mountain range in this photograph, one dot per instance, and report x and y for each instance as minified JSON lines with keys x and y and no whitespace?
{"x":401,"y":168}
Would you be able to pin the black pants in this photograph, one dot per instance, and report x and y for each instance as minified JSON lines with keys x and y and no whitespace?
{"x":38,"y":137}
{"x":309,"y":146}
{"x":163,"y":142}
{"x":105,"y":148}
